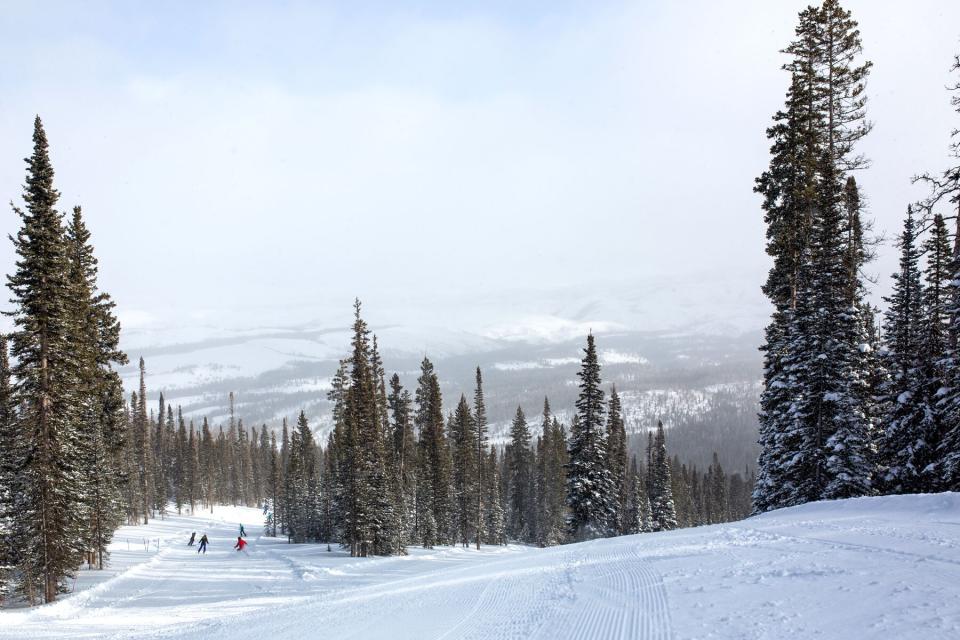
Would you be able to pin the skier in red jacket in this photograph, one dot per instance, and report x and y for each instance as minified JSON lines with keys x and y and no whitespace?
{"x":241,"y":544}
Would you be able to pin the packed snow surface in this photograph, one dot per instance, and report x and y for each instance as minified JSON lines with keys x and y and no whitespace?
{"x":866,"y":568}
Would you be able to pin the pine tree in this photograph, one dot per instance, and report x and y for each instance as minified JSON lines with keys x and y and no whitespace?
{"x":590,"y":488}
{"x":520,"y":481}
{"x":617,"y":460}
{"x":144,"y":448}
{"x":662,"y":511}
{"x":10,"y":463}
{"x":494,"y":527}
{"x":815,"y":411}
{"x":49,"y":480}
{"x":433,"y":480}
{"x":98,"y":394}
{"x":465,"y":472}
{"x":160,"y":455}
{"x":302,"y":516}
{"x":480,"y":420}
{"x":195,"y":478}
{"x":405,"y":460}
{"x":274,"y":487}
{"x":936,"y":344}
{"x":904,"y":449}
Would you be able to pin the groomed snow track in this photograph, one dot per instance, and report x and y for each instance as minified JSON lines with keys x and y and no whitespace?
{"x":866,"y":568}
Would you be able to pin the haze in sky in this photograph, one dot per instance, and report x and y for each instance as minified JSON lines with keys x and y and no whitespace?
{"x":245,"y":164}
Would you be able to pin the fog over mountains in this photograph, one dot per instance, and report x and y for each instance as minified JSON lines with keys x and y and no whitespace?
{"x":680,"y":350}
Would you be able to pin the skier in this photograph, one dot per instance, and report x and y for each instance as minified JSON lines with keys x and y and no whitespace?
{"x":193,"y":536}
{"x":203,"y":544}
{"x":241,"y":544}
{"x":243,"y":533}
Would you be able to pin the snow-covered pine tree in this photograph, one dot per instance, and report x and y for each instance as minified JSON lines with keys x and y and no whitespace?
{"x":493,"y":526}
{"x":617,"y":461}
{"x":663,"y":513}
{"x":480,"y":420}
{"x":520,"y":480}
{"x":329,"y":492}
{"x":405,"y":457}
{"x":719,"y":507}
{"x":945,"y":192}
{"x":143,"y":447}
{"x":903,"y":448}
{"x":433,"y":481}
{"x":181,"y":469}
{"x":161,"y":485}
{"x":633,"y":521}
{"x":465,"y":477}
{"x":815,"y":422}
{"x":936,"y":305}
{"x":590,"y":489}
{"x":98,"y":394}
{"x":367,"y":505}
{"x":49,"y":519}
{"x":302,"y":516}
{"x":274,"y":484}
{"x":208,"y":464}
{"x":786,"y":188}
{"x":9,"y":467}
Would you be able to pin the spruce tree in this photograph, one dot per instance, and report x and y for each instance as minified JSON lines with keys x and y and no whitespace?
{"x":433,"y":480}
{"x":815,"y":420}
{"x":405,"y":458}
{"x":904,"y":449}
{"x":494,"y":527}
{"x":480,"y":420}
{"x":617,"y":460}
{"x":50,"y":479}
{"x":662,"y":510}
{"x":590,"y":488}
{"x":520,"y":481}
{"x":97,"y":394}
{"x":465,"y":472}
{"x":10,"y":464}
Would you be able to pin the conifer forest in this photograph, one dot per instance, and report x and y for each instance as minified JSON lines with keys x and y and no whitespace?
{"x":436,"y":480}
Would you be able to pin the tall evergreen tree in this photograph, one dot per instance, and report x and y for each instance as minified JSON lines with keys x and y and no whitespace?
{"x":904,"y":449}
{"x":480,"y":419}
{"x":49,"y":480}
{"x":10,"y":464}
{"x":815,"y":418}
{"x":662,"y":511}
{"x":590,"y":489}
{"x":520,"y":482}
{"x":465,"y":472}
{"x":617,"y":461}
{"x":433,"y":480}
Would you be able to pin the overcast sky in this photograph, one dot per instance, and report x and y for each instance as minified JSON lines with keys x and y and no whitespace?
{"x":242,"y":161}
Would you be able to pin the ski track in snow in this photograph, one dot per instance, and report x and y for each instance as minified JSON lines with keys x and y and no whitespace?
{"x":867,"y":568}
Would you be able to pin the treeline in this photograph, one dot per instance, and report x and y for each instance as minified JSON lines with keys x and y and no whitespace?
{"x":395,"y":471}
{"x":850,"y":408}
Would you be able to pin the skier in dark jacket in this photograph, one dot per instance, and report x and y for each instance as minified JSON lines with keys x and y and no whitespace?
{"x":193,"y":536}
{"x":243,"y":534}
{"x":203,"y":544}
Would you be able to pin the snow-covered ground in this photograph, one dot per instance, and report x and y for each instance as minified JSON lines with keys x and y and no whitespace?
{"x":867,"y":568}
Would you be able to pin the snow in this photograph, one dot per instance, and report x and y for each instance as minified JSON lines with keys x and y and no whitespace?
{"x":612,"y":356}
{"x":864,"y":568}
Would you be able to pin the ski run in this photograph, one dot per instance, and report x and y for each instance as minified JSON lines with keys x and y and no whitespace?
{"x":886,"y":567}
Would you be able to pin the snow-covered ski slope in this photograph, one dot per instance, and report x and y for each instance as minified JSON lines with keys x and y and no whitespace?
{"x":867,"y":568}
